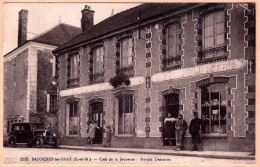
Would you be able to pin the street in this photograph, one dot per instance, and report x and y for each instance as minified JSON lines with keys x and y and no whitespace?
{"x":63,"y":156}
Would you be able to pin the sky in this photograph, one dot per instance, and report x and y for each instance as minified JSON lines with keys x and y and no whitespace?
{"x":43,"y":16}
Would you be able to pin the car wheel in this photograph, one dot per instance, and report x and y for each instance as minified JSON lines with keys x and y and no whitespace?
{"x":38,"y":142}
{"x":12,"y":142}
{"x":56,"y":143}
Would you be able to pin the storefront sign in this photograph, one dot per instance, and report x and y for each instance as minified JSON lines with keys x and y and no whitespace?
{"x":98,"y":87}
{"x":201,"y":69}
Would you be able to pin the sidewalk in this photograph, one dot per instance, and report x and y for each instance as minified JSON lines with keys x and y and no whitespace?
{"x":206,"y":154}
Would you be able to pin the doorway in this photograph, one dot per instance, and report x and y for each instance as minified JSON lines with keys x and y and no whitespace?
{"x":172,"y":108}
{"x":96,"y":114}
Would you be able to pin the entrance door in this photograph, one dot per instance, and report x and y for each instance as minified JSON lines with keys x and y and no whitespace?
{"x":97,"y":115}
{"x":171,"y":107}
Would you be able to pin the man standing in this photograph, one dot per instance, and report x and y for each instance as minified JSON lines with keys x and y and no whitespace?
{"x":180,"y":126}
{"x":195,"y":131}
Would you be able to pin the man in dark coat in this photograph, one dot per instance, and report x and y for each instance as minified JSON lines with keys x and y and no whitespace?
{"x":195,"y":131}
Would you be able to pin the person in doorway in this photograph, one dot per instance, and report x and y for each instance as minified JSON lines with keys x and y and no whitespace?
{"x":92,"y":131}
{"x":180,"y":128}
{"x":169,"y":129}
{"x":109,"y":136}
{"x":195,"y":131}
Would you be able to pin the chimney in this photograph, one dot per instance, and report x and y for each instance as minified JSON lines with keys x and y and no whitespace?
{"x":22,"y":27}
{"x":87,"y":18}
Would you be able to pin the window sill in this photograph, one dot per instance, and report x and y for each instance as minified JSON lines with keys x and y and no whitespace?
{"x":212,"y":60}
{"x":168,"y":68}
{"x":72,"y":135}
{"x":214,"y":136}
{"x":124,"y":135}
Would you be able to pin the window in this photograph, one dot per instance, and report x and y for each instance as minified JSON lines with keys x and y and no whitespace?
{"x":124,"y":56}
{"x":53,"y":102}
{"x":73,"y":69}
{"x":98,"y":65}
{"x":126,"y":53}
{"x":125,"y":114}
{"x":213,"y":34}
{"x":173,"y":46}
{"x":213,"y":109}
{"x":73,"y":118}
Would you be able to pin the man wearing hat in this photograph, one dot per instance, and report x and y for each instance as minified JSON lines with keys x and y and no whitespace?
{"x":195,"y":131}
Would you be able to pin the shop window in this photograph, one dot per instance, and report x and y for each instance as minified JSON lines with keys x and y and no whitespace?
{"x":213,"y":37}
{"x":97,"y":74}
{"x":173,"y":45}
{"x":125,"y":115}
{"x":251,"y":66}
{"x":213,"y":109}
{"x":125,"y":56}
{"x":73,"y":70}
{"x":73,"y":118}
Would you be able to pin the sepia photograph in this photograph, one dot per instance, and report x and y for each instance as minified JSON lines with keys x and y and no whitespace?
{"x":129,"y":83}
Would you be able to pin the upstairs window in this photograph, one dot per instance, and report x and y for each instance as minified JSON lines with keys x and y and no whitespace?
{"x":73,"y":70}
{"x":124,"y":56}
{"x":97,"y":74}
{"x":126,"y":53}
{"x":214,"y":30}
{"x":213,"y":37}
{"x":173,"y":46}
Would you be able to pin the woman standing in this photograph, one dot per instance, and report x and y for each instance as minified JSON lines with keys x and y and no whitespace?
{"x":169,"y":129}
{"x":92,"y":131}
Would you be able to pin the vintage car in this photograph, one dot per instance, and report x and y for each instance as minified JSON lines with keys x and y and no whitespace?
{"x":32,"y":134}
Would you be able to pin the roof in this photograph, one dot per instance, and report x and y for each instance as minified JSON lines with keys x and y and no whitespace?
{"x":126,"y":18}
{"x":58,"y":35}
{"x":55,"y":36}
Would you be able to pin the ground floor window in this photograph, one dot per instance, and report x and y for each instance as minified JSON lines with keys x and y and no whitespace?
{"x":125,"y":114}
{"x":73,"y":118}
{"x":213,"y":109}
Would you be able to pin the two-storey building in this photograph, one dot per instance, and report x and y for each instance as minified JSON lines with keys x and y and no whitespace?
{"x":181,"y":58}
{"x":30,"y":90}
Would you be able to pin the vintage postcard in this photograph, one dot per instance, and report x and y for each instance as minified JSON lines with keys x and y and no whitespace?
{"x":142,"y":83}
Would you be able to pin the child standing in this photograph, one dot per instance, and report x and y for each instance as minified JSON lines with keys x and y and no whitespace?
{"x":109,"y":136}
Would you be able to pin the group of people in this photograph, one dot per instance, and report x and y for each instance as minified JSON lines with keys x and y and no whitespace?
{"x":91,"y":133}
{"x":179,"y":130}
{"x":178,"y":127}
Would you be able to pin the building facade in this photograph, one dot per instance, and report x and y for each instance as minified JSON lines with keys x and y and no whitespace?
{"x":180,"y":58}
{"x":30,"y":89}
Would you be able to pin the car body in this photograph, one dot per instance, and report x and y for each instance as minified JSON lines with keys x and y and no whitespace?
{"x":32,"y":134}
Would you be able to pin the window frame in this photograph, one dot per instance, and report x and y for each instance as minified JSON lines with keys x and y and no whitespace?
{"x":131,"y":129}
{"x":214,"y":29}
{"x":97,"y":76}
{"x":172,"y":60}
{"x":217,"y":105}
{"x":74,"y":69}
{"x":123,"y":56}
{"x":69,"y":115}
{"x":216,"y":52}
